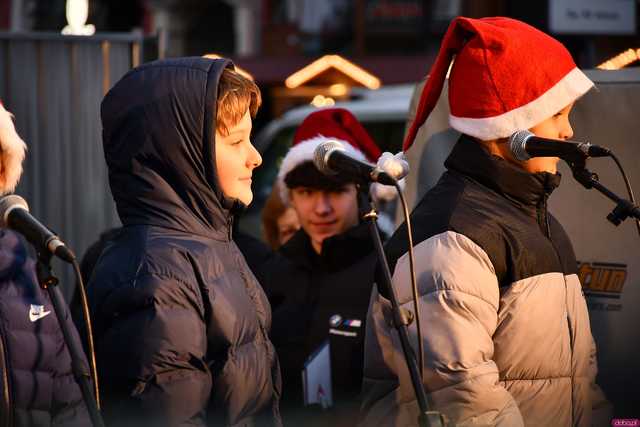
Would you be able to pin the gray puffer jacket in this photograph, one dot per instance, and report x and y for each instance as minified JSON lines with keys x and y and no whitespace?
{"x":505,"y":325}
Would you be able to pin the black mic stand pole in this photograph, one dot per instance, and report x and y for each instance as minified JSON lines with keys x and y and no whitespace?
{"x":624,"y":208}
{"x":49,"y":282}
{"x":401,"y":319}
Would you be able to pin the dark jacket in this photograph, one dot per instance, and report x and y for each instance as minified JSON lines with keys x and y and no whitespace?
{"x":38,"y":388}
{"x":306,"y":290}
{"x":505,"y":325}
{"x":181,"y":323}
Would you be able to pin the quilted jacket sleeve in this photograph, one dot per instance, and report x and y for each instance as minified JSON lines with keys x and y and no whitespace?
{"x":459,"y":299}
{"x":151,"y":353}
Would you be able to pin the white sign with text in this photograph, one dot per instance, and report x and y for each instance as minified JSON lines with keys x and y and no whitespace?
{"x":592,"y":16}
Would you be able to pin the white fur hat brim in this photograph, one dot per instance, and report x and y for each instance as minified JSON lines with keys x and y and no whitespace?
{"x":12,"y":153}
{"x":303,"y":152}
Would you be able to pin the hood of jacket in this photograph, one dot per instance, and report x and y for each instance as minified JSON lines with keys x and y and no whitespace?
{"x":159,"y":126}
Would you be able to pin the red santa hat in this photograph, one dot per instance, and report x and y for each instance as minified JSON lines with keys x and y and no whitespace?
{"x":12,"y":152}
{"x":506,"y":76}
{"x":330,"y":124}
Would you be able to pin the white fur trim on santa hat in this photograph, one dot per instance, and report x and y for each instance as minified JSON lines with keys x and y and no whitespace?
{"x":570,"y":88}
{"x":12,"y":152}
{"x":302,"y":152}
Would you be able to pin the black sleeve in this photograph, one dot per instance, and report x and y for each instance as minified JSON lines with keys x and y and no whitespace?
{"x":152,"y":354}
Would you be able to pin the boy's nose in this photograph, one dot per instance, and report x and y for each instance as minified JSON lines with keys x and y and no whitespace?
{"x":322,"y":204}
{"x":567,"y":131}
{"x":254,"y":159}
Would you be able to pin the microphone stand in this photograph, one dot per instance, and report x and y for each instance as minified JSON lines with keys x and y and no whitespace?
{"x":624,"y":208}
{"x":401,"y":318}
{"x":49,"y":282}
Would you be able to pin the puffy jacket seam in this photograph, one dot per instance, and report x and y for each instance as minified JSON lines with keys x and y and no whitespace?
{"x":456,"y":291}
{"x":161,"y":276}
{"x":212,"y":236}
{"x":29,"y":332}
{"x":195,"y":287}
{"x":536,"y":379}
{"x":411,"y":398}
{"x":152,"y":297}
{"x":250,"y":341}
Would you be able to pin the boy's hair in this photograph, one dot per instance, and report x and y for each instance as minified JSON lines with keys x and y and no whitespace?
{"x":307,"y":175}
{"x":236,"y":95}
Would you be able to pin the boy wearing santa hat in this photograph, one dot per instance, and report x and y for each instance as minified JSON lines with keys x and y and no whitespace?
{"x":505,"y":325}
{"x":320,"y":284}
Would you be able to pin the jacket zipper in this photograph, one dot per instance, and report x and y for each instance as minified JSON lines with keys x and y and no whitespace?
{"x":546,"y":215}
{"x":6,"y":401}
{"x":543,"y":216}
{"x":543,"y":221}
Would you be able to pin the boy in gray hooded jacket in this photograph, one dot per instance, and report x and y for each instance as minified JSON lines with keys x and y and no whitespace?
{"x":505,"y":325}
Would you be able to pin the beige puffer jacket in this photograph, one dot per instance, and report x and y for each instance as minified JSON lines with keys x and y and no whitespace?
{"x":505,"y":325}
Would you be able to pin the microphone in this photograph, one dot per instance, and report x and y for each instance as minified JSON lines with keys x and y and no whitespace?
{"x":14,"y":213}
{"x":331,"y":158}
{"x":525,"y":145}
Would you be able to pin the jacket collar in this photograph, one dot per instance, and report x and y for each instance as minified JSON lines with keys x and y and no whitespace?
{"x":528,"y":189}
{"x":338,"y":252}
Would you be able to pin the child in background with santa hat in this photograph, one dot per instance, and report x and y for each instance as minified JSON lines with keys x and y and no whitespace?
{"x":505,"y":325}
{"x":320,"y":283}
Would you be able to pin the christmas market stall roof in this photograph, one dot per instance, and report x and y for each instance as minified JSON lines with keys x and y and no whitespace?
{"x":362,"y":71}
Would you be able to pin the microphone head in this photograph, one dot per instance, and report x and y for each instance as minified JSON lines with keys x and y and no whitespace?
{"x":321,"y":155}
{"x":9,"y":203}
{"x":518,"y":144}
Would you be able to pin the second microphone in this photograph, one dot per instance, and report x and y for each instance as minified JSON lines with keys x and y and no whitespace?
{"x":331,"y":158}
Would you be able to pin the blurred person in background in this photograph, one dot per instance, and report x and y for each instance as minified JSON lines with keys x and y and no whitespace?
{"x":279,"y":220}
{"x":38,"y":386}
{"x":319,"y":283}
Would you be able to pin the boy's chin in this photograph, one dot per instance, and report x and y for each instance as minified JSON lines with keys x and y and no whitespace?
{"x":541,"y":164}
{"x":245,"y":198}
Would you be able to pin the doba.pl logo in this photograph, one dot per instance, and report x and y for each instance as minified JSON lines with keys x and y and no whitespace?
{"x":625,"y":422}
